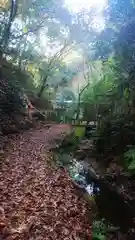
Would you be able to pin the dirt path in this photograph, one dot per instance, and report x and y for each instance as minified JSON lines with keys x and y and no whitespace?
{"x":37,"y":201}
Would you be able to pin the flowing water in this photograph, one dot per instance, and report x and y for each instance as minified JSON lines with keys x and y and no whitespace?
{"x":77,"y":170}
{"x":110,"y":206}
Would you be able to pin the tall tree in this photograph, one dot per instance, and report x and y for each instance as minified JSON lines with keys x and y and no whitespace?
{"x":7,"y":30}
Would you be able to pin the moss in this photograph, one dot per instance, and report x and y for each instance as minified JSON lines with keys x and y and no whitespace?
{"x":79,"y":131}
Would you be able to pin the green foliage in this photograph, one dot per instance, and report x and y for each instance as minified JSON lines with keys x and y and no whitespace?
{"x":37,"y":37}
{"x":99,"y":230}
{"x":130,"y":159}
{"x":98,"y":236}
{"x":98,"y":90}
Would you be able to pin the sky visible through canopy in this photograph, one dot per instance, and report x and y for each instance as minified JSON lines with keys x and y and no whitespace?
{"x":77,"y":5}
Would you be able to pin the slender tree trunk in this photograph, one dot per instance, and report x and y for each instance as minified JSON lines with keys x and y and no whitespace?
{"x":43,"y":86}
{"x":78,"y":107}
{"x":6,"y":35}
{"x":79,"y":101}
{"x":41,"y":91}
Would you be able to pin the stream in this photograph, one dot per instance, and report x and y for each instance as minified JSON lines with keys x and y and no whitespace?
{"x":111,"y":207}
{"x":78,"y":171}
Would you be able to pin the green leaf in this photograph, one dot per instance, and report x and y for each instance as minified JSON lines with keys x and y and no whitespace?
{"x":99,"y":236}
{"x":25,"y":30}
{"x":130,"y":154}
{"x":126,"y":93}
{"x":131,"y":166}
{"x":79,"y":131}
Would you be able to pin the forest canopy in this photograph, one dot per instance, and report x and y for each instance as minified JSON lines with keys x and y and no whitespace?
{"x":49,"y":41}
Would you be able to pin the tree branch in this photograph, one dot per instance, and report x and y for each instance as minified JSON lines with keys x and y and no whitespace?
{"x":81,"y":92}
{"x":59,"y":54}
{"x":56,"y":57}
{"x":29,"y":31}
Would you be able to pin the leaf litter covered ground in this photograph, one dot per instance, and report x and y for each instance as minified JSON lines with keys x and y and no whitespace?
{"x":38,"y":201}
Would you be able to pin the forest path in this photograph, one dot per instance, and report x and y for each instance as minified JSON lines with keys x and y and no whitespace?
{"x":38,"y":201}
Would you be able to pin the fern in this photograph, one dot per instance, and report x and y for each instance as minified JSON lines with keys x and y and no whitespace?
{"x":130,"y":154}
{"x":131,"y":165}
{"x":99,"y":230}
{"x":98,"y":236}
{"x":129,"y":157}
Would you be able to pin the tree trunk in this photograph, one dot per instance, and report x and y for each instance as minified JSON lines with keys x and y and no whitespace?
{"x":78,"y":108}
{"x":79,"y":100}
{"x":44,"y":85}
{"x":41,"y":91}
{"x":6,"y":35}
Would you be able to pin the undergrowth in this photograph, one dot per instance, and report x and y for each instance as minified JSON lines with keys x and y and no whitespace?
{"x":101,"y":229}
{"x":129,"y":157}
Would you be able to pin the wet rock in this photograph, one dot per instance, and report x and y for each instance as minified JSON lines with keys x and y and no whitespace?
{"x":86,"y":144}
{"x":80,"y":154}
